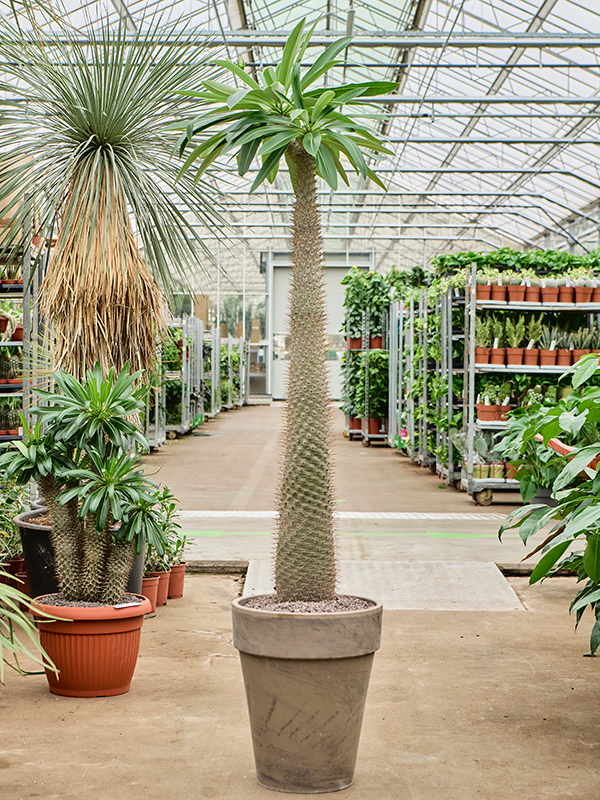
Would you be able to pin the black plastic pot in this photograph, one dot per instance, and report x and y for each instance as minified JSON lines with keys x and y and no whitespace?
{"x":39,"y":557}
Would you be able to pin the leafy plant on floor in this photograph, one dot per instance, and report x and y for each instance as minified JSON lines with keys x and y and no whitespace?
{"x":282,"y":117}
{"x":576,"y":517}
{"x":355,"y":302}
{"x":378,"y":382}
{"x":89,"y":153}
{"x":102,"y":506}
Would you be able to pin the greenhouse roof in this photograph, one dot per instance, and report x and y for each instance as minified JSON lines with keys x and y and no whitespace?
{"x":494,"y":127}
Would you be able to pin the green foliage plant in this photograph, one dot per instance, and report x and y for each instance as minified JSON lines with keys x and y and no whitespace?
{"x":534,"y":329}
{"x":497,"y":330}
{"x":279,"y":116}
{"x":483,"y":331}
{"x":573,"y":541}
{"x":379,"y":366}
{"x":548,"y":336}
{"x":102,"y":506}
{"x":355,"y":302}
{"x":515,"y":331}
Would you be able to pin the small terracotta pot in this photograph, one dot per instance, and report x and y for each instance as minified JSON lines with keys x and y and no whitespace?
{"x":486,"y":413}
{"x":511,"y":472}
{"x":578,"y":353}
{"x":17,"y":334}
{"x":483,"y":291}
{"x":497,"y":355}
{"x":376,"y":342}
{"x":549,"y":294}
{"x":354,"y":343}
{"x":514,"y":355}
{"x":15,"y":381}
{"x":95,"y":649}
{"x":531,"y":356}
{"x":482,"y":355}
{"x":3,"y":324}
{"x":583,"y":294}
{"x":163,"y":587}
{"x":532,"y":294}
{"x":502,"y":412}
{"x":374,"y":426}
{"x":516,"y":294}
{"x":596,"y":295}
{"x":150,"y":589}
{"x":566,"y":294}
{"x":354,"y":424}
{"x":176,"y":581}
{"x":563,"y":357}
{"x":498,"y":292}
{"x":547,"y":358}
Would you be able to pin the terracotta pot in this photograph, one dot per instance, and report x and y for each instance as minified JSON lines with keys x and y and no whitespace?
{"x":3,"y":324}
{"x":531,"y":356}
{"x":150,"y":589}
{"x":354,"y":424}
{"x":502,"y":412}
{"x":374,"y":427}
{"x":17,"y":335}
{"x":547,"y":358}
{"x":566,"y":294}
{"x":354,"y":343}
{"x":15,"y":381}
{"x":497,"y":355}
{"x":596,"y":295}
{"x":583,"y":294}
{"x":483,"y":291}
{"x":95,"y":649}
{"x":511,"y":472}
{"x":376,"y":342}
{"x":163,"y":587}
{"x":485,"y":413}
{"x":532,"y":294}
{"x":482,"y":355}
{"x":516,"y":294}
{"x":578,"y":353}
{"x":176,"y":581}
{"x":306,"y":678}
{"x":563,"y":357}
{"x":549,"y":294}
{"x":498,"y":292}
{"x":514,"y":355}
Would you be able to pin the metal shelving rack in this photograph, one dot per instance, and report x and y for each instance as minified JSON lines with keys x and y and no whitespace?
{"x":368,"y":437}
{"x":185,"y":324}
{"x":396,"y":379}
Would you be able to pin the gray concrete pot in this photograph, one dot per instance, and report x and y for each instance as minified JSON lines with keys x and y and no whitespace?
{"x":306,"y":679}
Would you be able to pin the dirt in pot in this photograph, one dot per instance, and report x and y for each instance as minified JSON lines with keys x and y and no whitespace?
{"x":342,"y":602}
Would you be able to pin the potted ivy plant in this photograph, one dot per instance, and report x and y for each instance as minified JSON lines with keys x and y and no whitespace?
{"x":102,"y":510}
{"x":306,"y":653}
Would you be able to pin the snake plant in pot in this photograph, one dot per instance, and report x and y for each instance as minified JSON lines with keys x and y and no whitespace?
{"x":102,"y":509}
{"x":300,"y":662}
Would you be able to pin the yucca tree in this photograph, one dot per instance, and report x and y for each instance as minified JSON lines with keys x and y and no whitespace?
{"x":87,"y":162}
{"x":282,"y":117}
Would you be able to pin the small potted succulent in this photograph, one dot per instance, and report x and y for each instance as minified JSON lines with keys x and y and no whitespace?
{"x":547,"y":342}
{"x":583,"y":289}
{"x":515,"y":335}
{"x":566,"y":290}
{"x":499,"y":289}
{"x":532,"y":337}
{"x":564,"y":349}
{"x":486,"y":404}
{"x":483,"y":287}
{"x":483,"y":334}
{"x":532,"y":289}
{"x":515,"y":287}
{"x":497,"y":351}
{"x":582,"y":341}
{"x":549,"y":290}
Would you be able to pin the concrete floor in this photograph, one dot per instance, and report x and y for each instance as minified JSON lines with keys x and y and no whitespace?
{"x":463,"y":705}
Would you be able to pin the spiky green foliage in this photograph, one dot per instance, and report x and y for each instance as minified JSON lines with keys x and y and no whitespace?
{"x":483,"y":331}
{"x":281,"y":117}
{"x":534,"y":329}
{"x":497,"y":330}
{"x":89,"y":157}
{"x":101,"y":505}
{"x":515,"y":331}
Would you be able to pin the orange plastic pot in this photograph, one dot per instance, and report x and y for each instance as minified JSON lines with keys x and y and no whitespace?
{"x":549,"y":294}
{"x":376,"y":342}
{"x":547,"y":358}
{"x":176,"y":581}
{"x":163,"y":587}
{"x":354,"y":424}
{"x":566,"y":294}
{"x":150,"y":589}
{"x":532,"y":294}
{"x":374,"y":426}
{"x":483,"y":291}
{"x":583,"y":294}
{"x":354,"y":343}
{"x":516,"y":294}
{"x":531,"y":356}
{"x":94,"y":649}
{"x":563,"y":357}
{"x":498,"y":292}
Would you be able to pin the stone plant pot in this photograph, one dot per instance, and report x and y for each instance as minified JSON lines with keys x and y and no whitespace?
{"x":516,"y":294}
{"x":547,"y":358}
{"x":497,"y":355}
{"x":563,"y":357}
{"x":531,"y":356}
{"x":549,"y":294}
{"x":95,"y":649}
{"x":482,"y":355}
{"x":306,"y":678}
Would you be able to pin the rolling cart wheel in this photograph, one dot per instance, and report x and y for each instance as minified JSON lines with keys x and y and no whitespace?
{"x":433,"y":469}
{"x":484,"y":497}
{"x":457,"y":485}
{"x":347,"y":435}
{"x":366,"y":443}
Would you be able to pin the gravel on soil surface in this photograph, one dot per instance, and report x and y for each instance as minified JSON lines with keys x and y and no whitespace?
{"x":42,"y":519}
{"x":59,"y":599}
{"x":343,"y":602}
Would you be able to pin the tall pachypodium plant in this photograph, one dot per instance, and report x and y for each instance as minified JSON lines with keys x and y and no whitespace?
{"x":87,"y":164}
{"x":101,"y":504}
{"x":282,"y":117}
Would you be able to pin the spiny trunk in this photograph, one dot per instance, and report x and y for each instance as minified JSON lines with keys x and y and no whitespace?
{"x":66,"y":537}
{"x":305,"y":560}
{"x":95,"y":549}
{"x":118,"y":567}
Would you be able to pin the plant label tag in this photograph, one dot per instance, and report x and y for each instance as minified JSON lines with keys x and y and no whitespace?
{"x":499,"y":280}
{"x":505,"y":401}
{"x":495,"y":345}
{"x":127,"y":605}
{"x":528,"y":282}
{"x":20,"y":431}
{"x":543,"y":283}
{"x":531,"y":344}
{"x":478,"y":399}
{"x":489,"y":281}
{"x":569,"y":283}
{"x":571,"y":346}
{"x":552,"y":344}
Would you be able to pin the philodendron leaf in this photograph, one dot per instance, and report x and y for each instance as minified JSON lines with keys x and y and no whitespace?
{"x":547,"y":561}
{"x":591,"y":557}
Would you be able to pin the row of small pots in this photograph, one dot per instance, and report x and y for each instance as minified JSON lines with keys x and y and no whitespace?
{"x":160,"y":586}
{"x":355,"y":342}
{"x":533,"y":357}
{"x":538,"y":294}
{"x":495,"y":472}
{"x":373,"y":425}
{"x":492,"y":413}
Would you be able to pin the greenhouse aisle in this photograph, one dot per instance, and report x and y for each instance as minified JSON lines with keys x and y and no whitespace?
{"x":225,"y":476}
